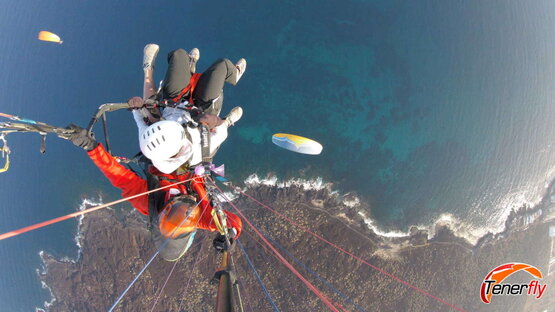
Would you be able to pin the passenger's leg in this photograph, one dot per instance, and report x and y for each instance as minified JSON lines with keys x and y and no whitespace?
{"x":149,"y":60}
{"x":149,"y":88}
{"x":208,"y":94}
{"x":177,"y":75}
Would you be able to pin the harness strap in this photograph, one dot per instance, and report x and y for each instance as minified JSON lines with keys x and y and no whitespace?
{"x":190,"y":88}
{"x":155,"y":200}
{"x":205,"y":143}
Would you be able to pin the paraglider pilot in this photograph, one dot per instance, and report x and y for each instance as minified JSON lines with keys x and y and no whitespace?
{"x":166,"y":208}
{"x":175,"y":141}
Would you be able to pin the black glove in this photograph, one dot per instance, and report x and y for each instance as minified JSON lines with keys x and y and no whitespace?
{"x":135,"y":102}
{"x":81,"y":138}
{"x":220,"y":244}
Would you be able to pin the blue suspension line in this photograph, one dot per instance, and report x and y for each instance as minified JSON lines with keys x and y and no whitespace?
{"x":152,"y":258}
{"x":258,"y":278}
{"x":137,"y":277}
{"x":328,"y":284}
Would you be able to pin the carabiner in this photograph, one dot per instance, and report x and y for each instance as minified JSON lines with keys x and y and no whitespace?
{"x":4,"y":148}
{"x":5,"y":152}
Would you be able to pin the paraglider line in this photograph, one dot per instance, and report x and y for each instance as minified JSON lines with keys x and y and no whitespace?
{"x":164,"y":286}
{"x":281,"y":258}
{"x":258,"y":277}
{"x":162,"y":289}
{"x":236,"y":284}
{"x":328,"y":284}
{"x":269,"y":251}
{"x":153,"y":256}
{"x":167,"y":279}
{"x":266,"y":249}
{"x":349,"y":253}
{"x":25,"y":120}
{"x":82,"y":212}
{"x":138,"y":275}
{"x":247,"y":294}
{"x":323,"y":280}
{"x":190,"y":277}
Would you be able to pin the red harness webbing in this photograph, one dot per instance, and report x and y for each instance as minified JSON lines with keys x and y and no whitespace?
{"x":189,"y":88}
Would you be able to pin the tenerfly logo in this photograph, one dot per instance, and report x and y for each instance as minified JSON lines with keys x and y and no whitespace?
{"x":493,"y":282}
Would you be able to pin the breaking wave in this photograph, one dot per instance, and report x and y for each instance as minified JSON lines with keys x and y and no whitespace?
{"x":85,"y":203}
{"x":516,"y":214}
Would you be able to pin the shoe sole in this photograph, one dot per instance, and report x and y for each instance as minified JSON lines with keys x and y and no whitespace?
{"x":232,"y":122}
{"x":149,"y":54}
{"x":195,"y":54}
{"x":241,"y":65}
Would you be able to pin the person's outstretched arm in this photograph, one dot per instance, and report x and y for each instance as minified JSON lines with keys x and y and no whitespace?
{"x":126,"y":180}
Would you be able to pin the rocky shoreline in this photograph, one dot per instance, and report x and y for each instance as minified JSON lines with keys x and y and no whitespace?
{"x":116,"y":246}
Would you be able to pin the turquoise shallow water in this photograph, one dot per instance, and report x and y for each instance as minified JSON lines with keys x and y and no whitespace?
{"x":423,"y":108}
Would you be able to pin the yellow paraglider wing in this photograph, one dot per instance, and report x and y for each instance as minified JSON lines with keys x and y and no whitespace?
{"x":297,"y":143}
{"x":48,"y":36}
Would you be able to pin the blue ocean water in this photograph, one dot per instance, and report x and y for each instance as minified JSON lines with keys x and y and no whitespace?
{"x":423,"y":107}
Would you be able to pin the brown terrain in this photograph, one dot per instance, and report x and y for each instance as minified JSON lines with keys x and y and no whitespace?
{"x":116,"y":246}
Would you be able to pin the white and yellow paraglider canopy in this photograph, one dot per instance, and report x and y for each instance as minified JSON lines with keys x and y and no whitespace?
{"x":48,"y":36}
{"x":297,"y":143}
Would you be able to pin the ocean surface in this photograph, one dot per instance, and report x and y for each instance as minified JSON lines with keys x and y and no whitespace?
{"x":427,"y":110}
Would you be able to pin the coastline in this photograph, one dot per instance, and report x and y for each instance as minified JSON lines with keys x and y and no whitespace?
{"x":78,"y":239}
{"x":347,"y":210}
{"x":515,"y":219}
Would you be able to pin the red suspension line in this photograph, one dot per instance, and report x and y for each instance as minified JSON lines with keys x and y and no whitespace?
{"x":351,"y":254}
{"x":79,"y":213}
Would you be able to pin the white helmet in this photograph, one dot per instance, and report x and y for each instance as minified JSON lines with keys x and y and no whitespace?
{"x":166,"y":145}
